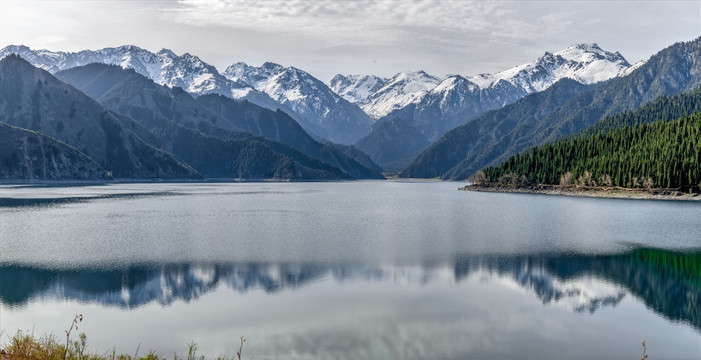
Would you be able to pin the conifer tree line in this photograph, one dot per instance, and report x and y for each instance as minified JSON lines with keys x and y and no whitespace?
{"x":665,"y":108}
{"x":627,"y":150}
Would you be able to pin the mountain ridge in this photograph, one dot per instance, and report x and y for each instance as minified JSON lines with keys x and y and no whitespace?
{"x":321,"y":111}
{"x":457,"y":99}
{"x":673,"y":70}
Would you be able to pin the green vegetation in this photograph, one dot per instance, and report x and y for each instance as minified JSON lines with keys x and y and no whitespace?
{"x":26,"y":346}
{"x":665,"y":108}
{"x":660,"y":154}
{"x":669,"y":264}
{"x":668,"y":281}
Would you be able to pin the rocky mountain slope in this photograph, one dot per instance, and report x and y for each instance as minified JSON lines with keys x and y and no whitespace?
{"x":401,"y":90}
{"x":319,"y":110}
{"x":356,"y":88}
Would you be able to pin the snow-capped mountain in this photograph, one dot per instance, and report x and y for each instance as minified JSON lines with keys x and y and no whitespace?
{"x":164,"y":68}
{"x":457,"y":99}
{"x":356,"y":88}
{"x":585,"y":63}
{"x":468,"y":97}
{"x":321,"y":111}
{"x":401,"y":90}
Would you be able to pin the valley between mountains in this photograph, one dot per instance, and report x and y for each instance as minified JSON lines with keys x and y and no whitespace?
{"x":129,"y":114}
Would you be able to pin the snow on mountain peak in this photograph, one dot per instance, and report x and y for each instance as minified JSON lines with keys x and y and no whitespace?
{"x":356,"y":88}
{"x":586,"y":63}
{"x":401,"y":90}
{"x":235,"y":71}
{"x":586,"y":53}
{"x":166,"y":52}
{"x":320,"y":107}
{"x":453,"y":81}
{"x":165,"y":67}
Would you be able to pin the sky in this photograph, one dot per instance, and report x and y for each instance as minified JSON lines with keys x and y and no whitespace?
{"x":380,"y":37}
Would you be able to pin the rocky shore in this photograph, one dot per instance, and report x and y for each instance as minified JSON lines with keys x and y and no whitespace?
{"x":592,"y":191}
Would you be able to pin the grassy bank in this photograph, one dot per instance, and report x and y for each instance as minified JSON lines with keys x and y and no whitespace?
{"x":27,"y":346}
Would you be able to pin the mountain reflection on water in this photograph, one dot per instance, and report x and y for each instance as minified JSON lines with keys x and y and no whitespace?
{"x":667,"y":282}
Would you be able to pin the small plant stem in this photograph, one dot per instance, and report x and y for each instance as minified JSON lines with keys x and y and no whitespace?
{"x":243,"y":340}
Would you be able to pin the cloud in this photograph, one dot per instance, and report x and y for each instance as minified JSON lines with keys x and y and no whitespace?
{"x":360,"y":22}
{"x":363,"y":36}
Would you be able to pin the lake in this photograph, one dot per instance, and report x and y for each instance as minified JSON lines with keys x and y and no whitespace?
{"x":351,"y":270}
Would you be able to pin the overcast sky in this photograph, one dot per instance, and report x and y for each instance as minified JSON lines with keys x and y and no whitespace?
{"x":379,"y":37}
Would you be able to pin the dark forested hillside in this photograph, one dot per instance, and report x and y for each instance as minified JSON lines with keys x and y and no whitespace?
{"x":665,"y":108}
{"x":659,"y":154}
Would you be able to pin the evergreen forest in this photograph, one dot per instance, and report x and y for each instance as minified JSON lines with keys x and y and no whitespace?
{"x":661,"y":154}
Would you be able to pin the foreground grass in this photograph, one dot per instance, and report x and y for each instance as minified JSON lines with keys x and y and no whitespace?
{"x":26,"y":346}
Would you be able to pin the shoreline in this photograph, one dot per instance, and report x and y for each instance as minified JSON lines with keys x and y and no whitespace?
{"x":593,"y":192}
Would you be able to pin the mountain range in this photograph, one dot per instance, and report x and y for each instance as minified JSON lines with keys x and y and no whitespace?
{"x":309,"y":101}
{"x":344,"y":111}
{"x":136,"y":129}
{"x":398,"y":136}
{"x":408,"y":122}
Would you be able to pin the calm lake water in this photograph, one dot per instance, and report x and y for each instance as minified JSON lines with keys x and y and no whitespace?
{"x":351,"y":270}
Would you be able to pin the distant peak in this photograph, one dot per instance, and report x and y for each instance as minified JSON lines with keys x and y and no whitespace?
{"x":129,"y":48}
{"x":411,"y":74}
{"x":587,"y":47}
{"x":297,"y":70}
{"x":16,"y":48}
{"x":166,"y":52}
{"x":590,"y":52}
{"x":415,"y":72}
{"x":271,"y":66}
{"x":339,"y":77}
